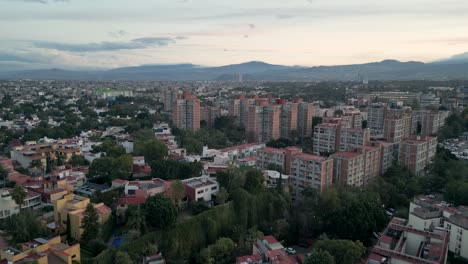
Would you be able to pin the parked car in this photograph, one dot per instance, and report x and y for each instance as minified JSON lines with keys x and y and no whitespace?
{"x":290,"y":251}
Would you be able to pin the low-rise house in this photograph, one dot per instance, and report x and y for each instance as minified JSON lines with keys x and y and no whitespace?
{"x":430,"y":212}
{"x":71,"y":207}
{"x":9,"y":207}
{"x":43,"y":250}
{"x":402,"y":243}
{"x":200,"y":188}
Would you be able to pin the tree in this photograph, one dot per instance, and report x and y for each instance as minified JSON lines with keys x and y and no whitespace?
{"x":78,"y":160}
{"x":177,"y":192}
{"x":319,"y":257}
{"x":222,"y":196}
{"x":254,"y":181}
{"x":19,"y":194}
{"x":135,"y":218}
{"x":90,"y":223}
{"x":152,"y":149}
{"x":221,"y":252}
{"x":160,"y":212}
{"x":3,"y":175}
{"x":22,"y":227}
{"x":122,"y":258}
{"x":344,"y":251}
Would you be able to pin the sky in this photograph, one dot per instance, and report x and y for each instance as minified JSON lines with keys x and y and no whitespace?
{"x":102,"y":34}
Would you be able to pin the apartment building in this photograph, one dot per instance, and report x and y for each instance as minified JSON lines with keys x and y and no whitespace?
{"x":326,"y":138}
{"x":310,"y":171}
{"x":375,"y":118}
{"x":271,"y":123}
{"x":186,"y":112}
{"x":170,"y":96}
{"x":305,"y":114}
{"x":280,"y":158}
{"x":288,"y":121}
{"x":234,"y":109}
{"x":402,"y":243}
{"x":371,"y":161}
{"x":43,"y":250}
{"x":429,"y":122}
{"x":351,"y":137}
{"x":244,"y":105}
{"x":417,"y":153}
{"x":209,"y":114}
{"x":348,"y":168}
{"x":394,"y":130}
{"x":389,"y":154}
{"x":431,"y":212}
{"x":406,"y":98}
{"x":263,"y":122}
{"x":72,"y":207}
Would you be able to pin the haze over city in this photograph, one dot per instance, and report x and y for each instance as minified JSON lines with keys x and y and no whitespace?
{"x":74,"y":34}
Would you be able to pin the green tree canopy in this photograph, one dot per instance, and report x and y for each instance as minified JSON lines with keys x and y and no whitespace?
{"x":152,"y":149}
{"x":160,"y":212}
{"x":22,"y":227}
{"x":19,"y":194}
{"x":90,"y":223}
{"x":319,"y":257}
{"x":344,"y":251}
{"x":254,"y":181}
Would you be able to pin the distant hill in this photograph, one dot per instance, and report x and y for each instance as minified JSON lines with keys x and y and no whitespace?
{"x":455,"y":67}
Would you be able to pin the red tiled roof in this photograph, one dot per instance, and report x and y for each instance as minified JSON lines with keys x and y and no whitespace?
{"x":132,"y":200}
{"x":103,"y":209}
{"x":346,"y":154}
{"x":309,"y":157}
{"x":242,"y":259}
{"x":270,"y":239}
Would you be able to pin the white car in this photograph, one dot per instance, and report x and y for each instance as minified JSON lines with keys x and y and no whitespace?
{"x":290,"y":251}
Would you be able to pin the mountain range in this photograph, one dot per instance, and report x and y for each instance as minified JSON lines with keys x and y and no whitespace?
{"x":455,"y":67}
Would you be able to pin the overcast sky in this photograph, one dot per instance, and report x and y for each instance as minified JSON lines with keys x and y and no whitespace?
{"x":115,"y":33}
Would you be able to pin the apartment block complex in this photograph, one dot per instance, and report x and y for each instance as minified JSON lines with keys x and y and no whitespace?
{"x":288,"y":121}
{"x":271,"y":118}
{"x":170,"y":96}
{"x":352,"y":137}
{"x":186,"y":112}
{"x":417,"y":153}
{"x":310,"y":171}
{"x":348,"y":168}
{"x":326,"y":138}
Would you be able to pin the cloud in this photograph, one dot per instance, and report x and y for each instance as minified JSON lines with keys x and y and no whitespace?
{"x":118,"y":33}
{"x":285,"y":16}
{"x":181,"y":37}
{"x":251,"y":26}
{"x":41,"y":1}
{"x":11,"y":57}
{"x":138,"y":43}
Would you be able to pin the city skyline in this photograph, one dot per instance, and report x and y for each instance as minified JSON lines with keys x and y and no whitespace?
{"x":109,"y":34}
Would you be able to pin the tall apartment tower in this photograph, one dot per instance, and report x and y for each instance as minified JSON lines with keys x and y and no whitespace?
{"x":326,"y":138}
{"x":170,"y":96}
{"x":288,"y":121}
{"x":244,"y":105}
{"x":186,"y":112}
{"x":375,"y":118}
{"x":263,"y":123}
{"x":305,"y":113}
{"x":271,"y":122}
